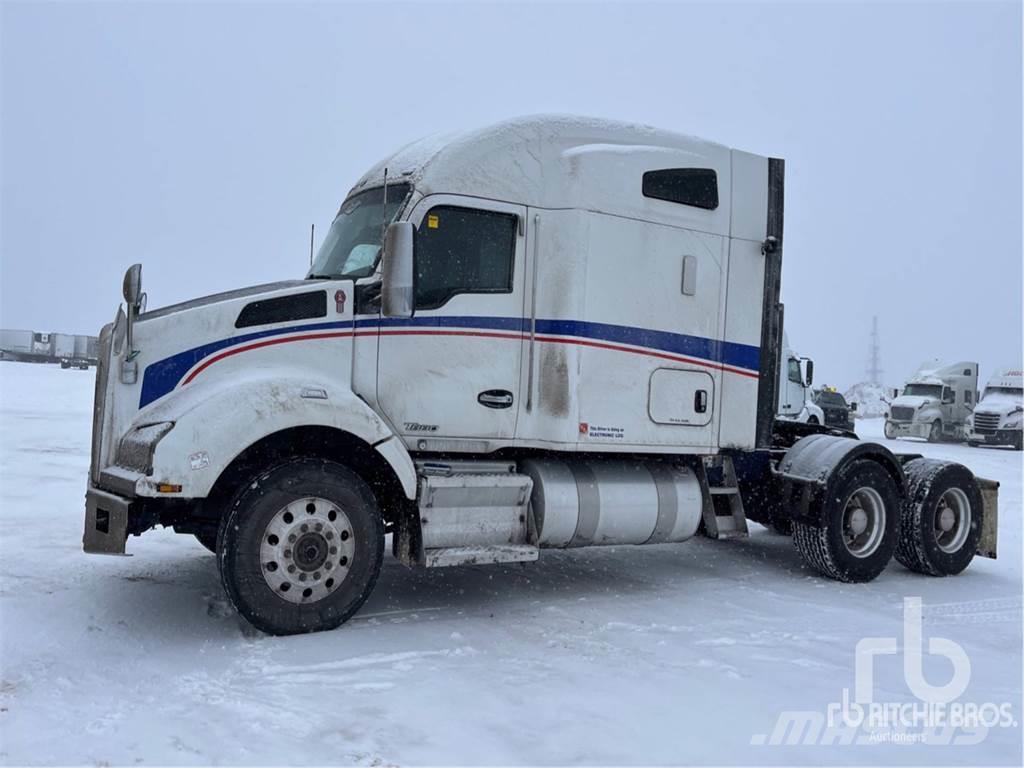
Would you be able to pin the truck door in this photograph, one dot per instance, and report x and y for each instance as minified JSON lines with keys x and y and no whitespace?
{"x":452,"y":370}
{"x":791,"y":389}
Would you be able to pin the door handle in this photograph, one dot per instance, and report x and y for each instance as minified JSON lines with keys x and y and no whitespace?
{"x":495,"y":398}
{"x":700,"y":401}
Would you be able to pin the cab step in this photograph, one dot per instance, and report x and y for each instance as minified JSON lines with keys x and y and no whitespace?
{"x":483,"y":555}
{"x":723,"y":513}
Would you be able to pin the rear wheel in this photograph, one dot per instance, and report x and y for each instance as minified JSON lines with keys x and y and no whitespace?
{"x":935,"y":433}
{"x":301,"y":548}
{"x":861,"y":525}
{"x":942,"y":524}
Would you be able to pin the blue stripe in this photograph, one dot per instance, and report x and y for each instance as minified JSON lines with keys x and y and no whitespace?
{"x":163,"y":376}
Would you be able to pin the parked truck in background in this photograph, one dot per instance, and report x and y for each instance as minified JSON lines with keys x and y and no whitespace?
{"x":935,"y":403}
{"x":838,"y":413}
{"x":796,"y":374}
{"x":998,"y":419}
{"x":551,"y":332}
{"x":70,"y":350}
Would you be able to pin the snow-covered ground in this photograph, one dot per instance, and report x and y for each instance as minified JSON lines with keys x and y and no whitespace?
{"x":669,"y":654}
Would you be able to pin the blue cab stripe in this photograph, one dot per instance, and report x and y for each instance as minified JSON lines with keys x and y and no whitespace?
{"x":163,"y":376}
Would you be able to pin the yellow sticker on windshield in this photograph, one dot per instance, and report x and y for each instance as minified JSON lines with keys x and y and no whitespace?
{"x":432,"y":221}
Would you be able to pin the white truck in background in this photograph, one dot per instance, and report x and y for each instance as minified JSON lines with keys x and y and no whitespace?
{"x":935,"y":403}
{"x":796,"y":375}
{"x":998,"y":419}
{"x":550,"y":332}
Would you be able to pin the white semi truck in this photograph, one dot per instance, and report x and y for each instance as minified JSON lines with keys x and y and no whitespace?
{"x":796,"y":374}
{"x":935,"y":402}
{"x":998,"y":418}
{"x":551,"y":332}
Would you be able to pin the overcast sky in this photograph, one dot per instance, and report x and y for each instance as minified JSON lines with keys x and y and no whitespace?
{"x":202,"y":140}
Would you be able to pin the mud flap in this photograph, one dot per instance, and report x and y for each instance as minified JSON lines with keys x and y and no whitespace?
{"x":106,"y":523}
{"x":990,"y":525}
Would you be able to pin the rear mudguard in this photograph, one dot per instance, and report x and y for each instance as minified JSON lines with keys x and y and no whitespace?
{"x":809,"y":469}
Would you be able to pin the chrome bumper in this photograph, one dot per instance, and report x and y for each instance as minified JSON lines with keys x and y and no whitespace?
{"x":106,"y":522}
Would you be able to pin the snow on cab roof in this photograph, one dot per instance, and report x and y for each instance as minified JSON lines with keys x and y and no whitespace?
{"x":548,"y":161}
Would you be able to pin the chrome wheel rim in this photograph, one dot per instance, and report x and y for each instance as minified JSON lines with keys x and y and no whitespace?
{"x":952,"y":521}
{"x":863,"y":522}
{"x":306,"y":550}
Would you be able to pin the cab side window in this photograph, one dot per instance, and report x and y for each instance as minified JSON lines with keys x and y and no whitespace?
{"x":463,"y":250}
{"x":793,"y":371}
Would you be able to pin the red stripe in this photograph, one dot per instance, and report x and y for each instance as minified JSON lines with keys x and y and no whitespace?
{"x":256,"y":345}
{"x":483,"y":334}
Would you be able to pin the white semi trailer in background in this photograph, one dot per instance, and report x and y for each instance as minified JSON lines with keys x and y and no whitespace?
{"x":998,"y":418}
{"x":551,"y":332}
{"x":935,"y":403}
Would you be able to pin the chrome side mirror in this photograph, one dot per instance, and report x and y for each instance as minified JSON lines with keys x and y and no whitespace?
{"x":397,"y":295}
{"x":132,"y":286}
{"x":808,"y":372}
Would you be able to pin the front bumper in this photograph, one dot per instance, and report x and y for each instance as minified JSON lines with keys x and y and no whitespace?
{"x":107,"y":517}
{"x":995,"y":437}
{"x":908,"y":428}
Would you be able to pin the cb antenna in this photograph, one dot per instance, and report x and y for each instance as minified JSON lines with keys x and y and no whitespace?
{"x":312,"y":229}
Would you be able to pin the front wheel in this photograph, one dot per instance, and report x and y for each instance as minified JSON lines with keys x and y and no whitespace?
{"x":890,"y":431}
{"x":860,"y":525}
{"x":301,"y":547}
{"x":935,"y":433}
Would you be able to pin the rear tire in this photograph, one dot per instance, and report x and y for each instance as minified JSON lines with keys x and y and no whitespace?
{"x":861,"y":525}
{"x":935,"y":433}
{"x":943,"y":518}
{"x":301,"y":547}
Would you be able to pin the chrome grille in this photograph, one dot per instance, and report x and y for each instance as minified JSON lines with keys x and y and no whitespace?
{"x":986,"y":422}
{"x":99,"y":401}
{"x":902,"y":413}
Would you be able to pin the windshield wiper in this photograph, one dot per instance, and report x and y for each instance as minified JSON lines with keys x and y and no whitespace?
{"x":321,"y":277}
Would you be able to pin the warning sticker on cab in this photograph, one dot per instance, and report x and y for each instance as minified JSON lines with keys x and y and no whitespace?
{"x":595,"y":432}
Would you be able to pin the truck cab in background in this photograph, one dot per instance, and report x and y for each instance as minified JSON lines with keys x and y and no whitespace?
{"x":998,"y":418}
{"x":796,"y":375}
{"x":935,"y":403}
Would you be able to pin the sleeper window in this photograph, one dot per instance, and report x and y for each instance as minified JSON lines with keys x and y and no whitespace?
{"x":463,"y":250}
{"x":697,"y":187}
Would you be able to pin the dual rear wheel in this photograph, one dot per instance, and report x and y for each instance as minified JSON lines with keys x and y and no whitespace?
{"x":934,"y":531}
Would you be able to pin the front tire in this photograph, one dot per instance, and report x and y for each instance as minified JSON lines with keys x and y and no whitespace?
{"x":301,"y":547}
{"x":935,"y":433}
{"x":943,"y":519}
{"x":890,"y":431}
{"x":860,"y":525}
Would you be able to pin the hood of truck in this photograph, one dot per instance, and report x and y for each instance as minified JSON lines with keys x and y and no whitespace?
{"x":914,"y":401}
{"x":304,"y":327}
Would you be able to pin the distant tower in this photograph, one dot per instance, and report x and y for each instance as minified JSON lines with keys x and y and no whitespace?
{"x":874,"y":361}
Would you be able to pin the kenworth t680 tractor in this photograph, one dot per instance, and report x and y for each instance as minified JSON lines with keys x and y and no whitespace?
{"x":551,"y":332}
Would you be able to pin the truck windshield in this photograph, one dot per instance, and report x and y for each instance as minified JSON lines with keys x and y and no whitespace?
{"x":1003,"y":393}
{"x":923,"y":390}
{"x":353,"y":244}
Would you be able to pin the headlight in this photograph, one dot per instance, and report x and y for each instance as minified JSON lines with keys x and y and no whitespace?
{"x":137,"y":447}
{"x":1014,"y":421}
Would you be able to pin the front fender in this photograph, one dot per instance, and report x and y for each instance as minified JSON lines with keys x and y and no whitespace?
{"x":214,"y":421}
